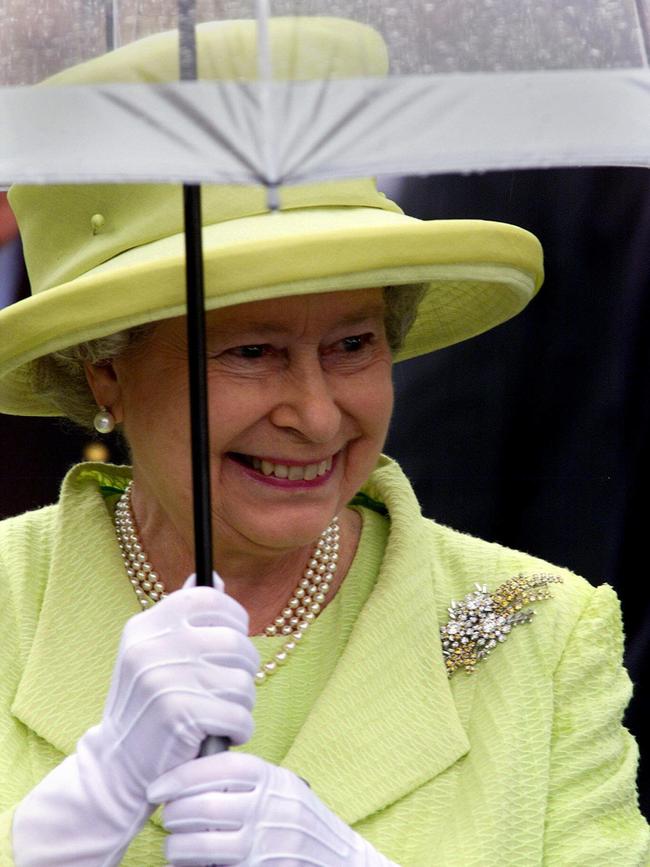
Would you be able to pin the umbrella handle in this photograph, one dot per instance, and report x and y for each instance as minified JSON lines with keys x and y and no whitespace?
{"x":213,"y":745}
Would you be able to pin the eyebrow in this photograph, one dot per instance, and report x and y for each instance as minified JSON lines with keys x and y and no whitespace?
{"x":362,"y":315}
{"x":262,"y":326}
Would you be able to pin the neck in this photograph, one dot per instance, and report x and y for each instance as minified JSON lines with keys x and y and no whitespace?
{"x":262,"y":581}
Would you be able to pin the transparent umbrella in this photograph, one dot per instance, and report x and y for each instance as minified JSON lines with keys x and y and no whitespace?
{"x":432,"y":87}
{"x":468,"y":85}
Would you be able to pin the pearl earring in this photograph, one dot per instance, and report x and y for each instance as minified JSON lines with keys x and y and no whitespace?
{"x":104,"y":421}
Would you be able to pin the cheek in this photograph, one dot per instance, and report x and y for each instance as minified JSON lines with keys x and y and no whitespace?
{"x":235,"y":408}
{"x":377,"y":400}
{"x":371,"y":412}
{"x":157,"y":411}
{"x":371,"y":405}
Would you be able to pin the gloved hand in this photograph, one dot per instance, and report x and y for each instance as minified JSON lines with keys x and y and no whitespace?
{"x":185,"y":669}
{"x":235,"y":808}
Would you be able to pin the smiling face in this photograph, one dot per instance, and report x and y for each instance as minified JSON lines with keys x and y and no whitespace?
{"x":300,"y":398}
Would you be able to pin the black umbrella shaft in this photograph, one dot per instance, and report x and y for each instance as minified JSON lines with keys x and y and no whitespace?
{"x":196,"y":354}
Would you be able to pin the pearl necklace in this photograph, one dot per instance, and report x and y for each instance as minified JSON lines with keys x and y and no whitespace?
{"x":300,"y":611}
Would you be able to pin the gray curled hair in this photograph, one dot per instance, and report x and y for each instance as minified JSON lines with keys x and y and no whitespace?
{"x":61,"y":379}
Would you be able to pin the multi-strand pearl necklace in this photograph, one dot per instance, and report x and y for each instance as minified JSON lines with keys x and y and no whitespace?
{"x":300,"y":611}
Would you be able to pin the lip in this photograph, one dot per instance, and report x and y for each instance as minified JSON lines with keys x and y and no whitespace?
{"x":292,"y":463}
{"x":296,"y":485}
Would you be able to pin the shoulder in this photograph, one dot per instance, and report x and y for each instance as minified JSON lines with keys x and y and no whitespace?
{"x":26,"y":543}
{"x":459,"y":562}
{"x":455,"y":562}
{"x":21,"y":530}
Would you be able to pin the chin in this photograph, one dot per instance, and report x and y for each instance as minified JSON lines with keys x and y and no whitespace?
{"x":284,"y":532}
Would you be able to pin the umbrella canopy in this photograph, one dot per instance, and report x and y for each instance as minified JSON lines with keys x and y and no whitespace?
{"x":413,"y":88}
{"x":463,"y":85}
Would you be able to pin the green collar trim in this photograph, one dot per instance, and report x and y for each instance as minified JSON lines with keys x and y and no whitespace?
{"x":362,"y":499}
{"x":111,"y":482}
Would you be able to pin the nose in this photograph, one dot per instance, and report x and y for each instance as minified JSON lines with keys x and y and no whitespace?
{"x":307,"y":404}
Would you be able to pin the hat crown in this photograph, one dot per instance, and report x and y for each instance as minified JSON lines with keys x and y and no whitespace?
{"x":67,"y":230}
{"x":300,"y":48}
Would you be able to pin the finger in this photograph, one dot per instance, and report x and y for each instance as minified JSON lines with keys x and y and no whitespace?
{"x":218,"y":645}
{"x":187,"y":602}
{"x":195,"y":660}
{"x":177,"y":610}
{"x":180,"y":724}
{"x":219,"y":604}
{"x":247,"y":659}
{"x":221,"y":646}
{"x":228,"y":647}
{"x":211,"y":811}
{"x":209,"y":619}
{"x":230,"y":684}
{"x":217,"y":581}
{"x":223,"y":772}
{"x":203,"y":716}
{"x":213,"y":615}
{"x":197,"y":850}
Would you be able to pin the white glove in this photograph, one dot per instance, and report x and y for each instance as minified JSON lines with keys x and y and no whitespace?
{"x":185,"y":669}
{"x":235,"y":808}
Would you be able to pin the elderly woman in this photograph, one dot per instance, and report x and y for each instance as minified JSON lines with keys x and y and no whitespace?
{"x":375,"y":725}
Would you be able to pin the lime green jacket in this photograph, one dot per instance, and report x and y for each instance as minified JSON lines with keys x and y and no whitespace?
{"x":524,"y":762}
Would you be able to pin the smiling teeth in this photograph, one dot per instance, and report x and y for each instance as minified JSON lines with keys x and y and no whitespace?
{"x":293,"y":473}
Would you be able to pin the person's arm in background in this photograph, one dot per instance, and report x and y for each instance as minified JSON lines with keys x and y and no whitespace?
{"x":13,"y":280}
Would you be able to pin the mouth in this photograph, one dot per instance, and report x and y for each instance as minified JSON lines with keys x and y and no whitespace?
{"x":292,"y":471}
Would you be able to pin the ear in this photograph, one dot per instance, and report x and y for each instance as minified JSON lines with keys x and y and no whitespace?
{"x":105,"y":387}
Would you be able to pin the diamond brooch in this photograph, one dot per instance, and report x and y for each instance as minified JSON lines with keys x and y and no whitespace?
{"x":483,"y":619}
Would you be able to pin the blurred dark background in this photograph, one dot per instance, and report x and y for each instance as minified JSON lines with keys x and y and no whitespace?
{"x":535,"y":435}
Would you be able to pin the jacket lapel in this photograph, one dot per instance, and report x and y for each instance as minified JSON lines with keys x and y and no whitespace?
{"x":386,"y":722}
{"x":87,"y":600}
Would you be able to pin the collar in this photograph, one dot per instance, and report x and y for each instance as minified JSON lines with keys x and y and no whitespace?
{"x":86,"y":603}
{"x":387,"y":715}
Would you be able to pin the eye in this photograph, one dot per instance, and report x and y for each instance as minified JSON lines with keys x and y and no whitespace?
{"x":356,"y":342}
{"x":350,"y":353}
{"x":251,"y":358}
{"x":254,"y":350}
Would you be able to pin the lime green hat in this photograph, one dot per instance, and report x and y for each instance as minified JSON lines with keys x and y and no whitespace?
{"x":102,"y":258}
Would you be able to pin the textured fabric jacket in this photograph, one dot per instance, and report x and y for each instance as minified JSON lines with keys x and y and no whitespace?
{"x":522,"y":763}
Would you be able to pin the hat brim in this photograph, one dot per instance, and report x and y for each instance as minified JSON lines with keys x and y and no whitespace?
{"x":477,"y":274}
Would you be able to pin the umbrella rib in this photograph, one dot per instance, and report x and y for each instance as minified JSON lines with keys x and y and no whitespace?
{"x":347,"y":117}
{"x":140,"y":112}
{"x":316,"y":109}
{"x":213,"y":131}
{"x":188,"y":110}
